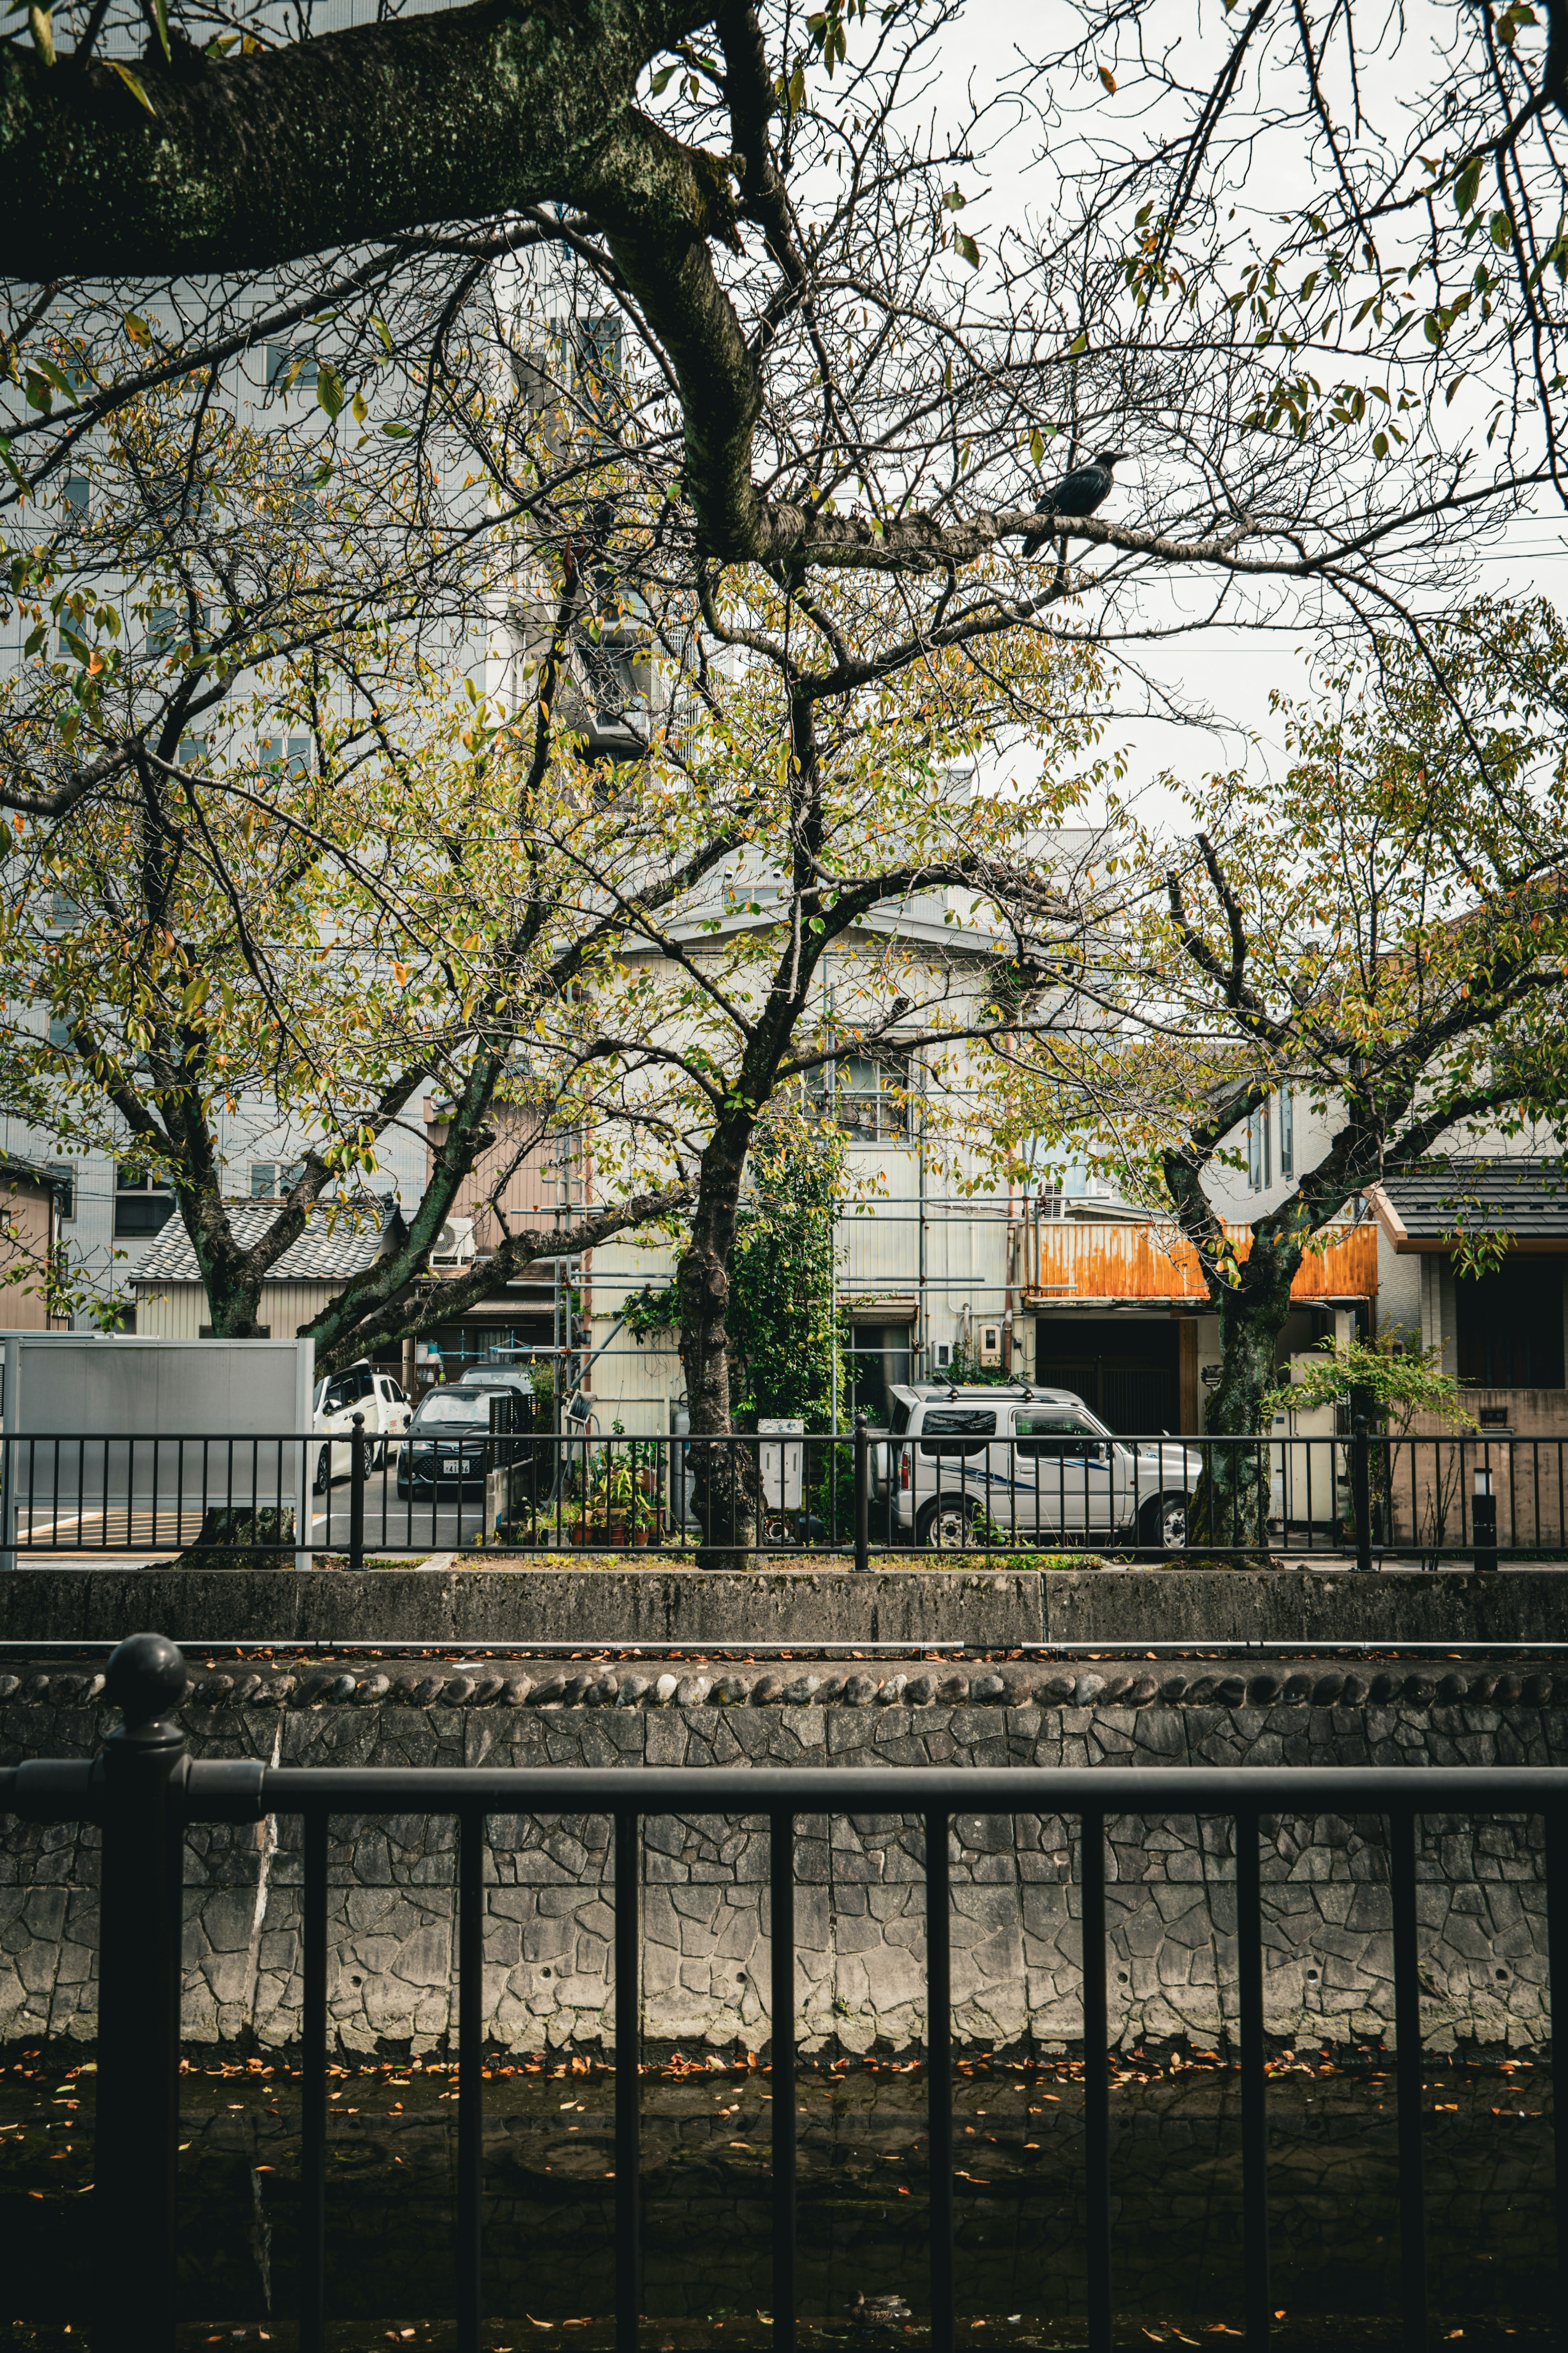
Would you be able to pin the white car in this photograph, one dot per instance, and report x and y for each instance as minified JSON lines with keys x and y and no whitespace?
{"x":360,"y":1388}
{"x":1027,"y":1463}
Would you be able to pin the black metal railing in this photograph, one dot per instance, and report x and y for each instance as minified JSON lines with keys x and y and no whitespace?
{"x":145,"y":1792}
{"x":869,"y":1493}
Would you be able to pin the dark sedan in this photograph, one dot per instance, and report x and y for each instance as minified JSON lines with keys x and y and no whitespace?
{"x":449,"y":1441}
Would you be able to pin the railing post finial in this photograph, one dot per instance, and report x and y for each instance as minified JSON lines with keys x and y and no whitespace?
{"x":146,"y":1679}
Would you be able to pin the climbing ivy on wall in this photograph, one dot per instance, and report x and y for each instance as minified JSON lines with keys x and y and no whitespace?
{"x":780,"y":1274}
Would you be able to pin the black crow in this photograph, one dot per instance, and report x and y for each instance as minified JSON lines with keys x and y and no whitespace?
{"x":1078,"y":493}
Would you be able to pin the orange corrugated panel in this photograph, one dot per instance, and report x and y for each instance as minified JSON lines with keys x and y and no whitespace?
{"x":1070,"y":1261}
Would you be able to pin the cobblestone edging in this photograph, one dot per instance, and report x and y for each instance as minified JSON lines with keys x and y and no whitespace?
{"x":860,"y":1902}
{"x":622,"y":1686}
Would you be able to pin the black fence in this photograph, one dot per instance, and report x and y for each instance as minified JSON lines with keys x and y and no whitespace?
{"x":145,"y":1791}
{"x":998,"y":1481}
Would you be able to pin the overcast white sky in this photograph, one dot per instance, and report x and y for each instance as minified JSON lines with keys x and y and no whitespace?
{"x":1231,"y":669}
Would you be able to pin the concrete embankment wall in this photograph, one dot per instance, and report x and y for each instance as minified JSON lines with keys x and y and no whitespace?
{"x":985,"y":1609}
{"x":860,"y":1902}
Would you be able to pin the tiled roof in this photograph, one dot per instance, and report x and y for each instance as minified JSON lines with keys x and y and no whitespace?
{"x":335,"y":1245}
{"x":1526,"y":1198}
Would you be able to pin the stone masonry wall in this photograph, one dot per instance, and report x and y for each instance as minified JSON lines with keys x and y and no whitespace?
{"x":860,"y":1896}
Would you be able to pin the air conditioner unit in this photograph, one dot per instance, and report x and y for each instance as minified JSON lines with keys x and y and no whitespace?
{"x":454,"y":1243}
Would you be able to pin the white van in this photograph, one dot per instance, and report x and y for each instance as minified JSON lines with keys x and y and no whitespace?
{"x":363,"y":1390}
{"x":1027,"y":1463}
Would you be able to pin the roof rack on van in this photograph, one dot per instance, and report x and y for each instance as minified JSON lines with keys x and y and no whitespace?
{"x":946,"y":1389}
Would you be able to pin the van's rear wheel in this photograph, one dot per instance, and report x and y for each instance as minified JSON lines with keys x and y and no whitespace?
{"x":949,"y":1525}
{"x":1162,"y":1524}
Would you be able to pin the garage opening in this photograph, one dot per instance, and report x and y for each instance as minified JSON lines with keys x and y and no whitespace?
{"x":1127,"y":1372}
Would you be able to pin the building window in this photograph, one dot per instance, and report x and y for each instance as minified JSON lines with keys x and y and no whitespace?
{"x":1259,"y":1174}
{"x":286,"y":368}
{"x":273,"y":1180}
{"x":75,"y":495}
{"x":1509,"y":1325}
{"x":869,"y":1097}
{"x":142,"y":1205}
{"x":595,"y":345}
{"x":291,"y":754}
{"x":64,"y":1174}
{"x":169,"y":626}
{"x":60,"y":1031}
{"x":1287,"y":1132}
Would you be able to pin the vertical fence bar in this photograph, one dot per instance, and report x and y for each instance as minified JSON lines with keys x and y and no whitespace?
{"x":356,"y":1493}
{"x":1360,"y":1493}
{"x":781,"y":1970}
{"x":1557,"y":1991}
{"x":1253,"y":2097}
{"x":136,"y":2160}
{"x":939,"y":2079}
{"x":313,"y":2092}
{"x":862,"y":1494}
{"x":1096,"y":2087}
{"x":1408,"y":2071}
{"x":469,"y":2249}
{"x":628,"y":2090}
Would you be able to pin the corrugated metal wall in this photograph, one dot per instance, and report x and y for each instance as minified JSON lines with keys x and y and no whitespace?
{"x":176,"y":1311}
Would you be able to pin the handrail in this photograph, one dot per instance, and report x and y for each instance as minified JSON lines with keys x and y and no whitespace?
{"x":743,"y":1497}
{"x":145,"y":1791}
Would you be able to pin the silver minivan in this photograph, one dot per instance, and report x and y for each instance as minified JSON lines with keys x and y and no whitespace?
{"x":1024,"y":1464}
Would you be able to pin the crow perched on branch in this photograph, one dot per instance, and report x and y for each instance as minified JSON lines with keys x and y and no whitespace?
{"x":1078,"y":493}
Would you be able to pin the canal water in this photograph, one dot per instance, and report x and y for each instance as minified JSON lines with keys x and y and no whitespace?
{"x":550,"y":2191}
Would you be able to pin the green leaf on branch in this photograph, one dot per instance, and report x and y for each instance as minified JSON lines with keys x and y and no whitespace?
{"x":132,"y":84}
